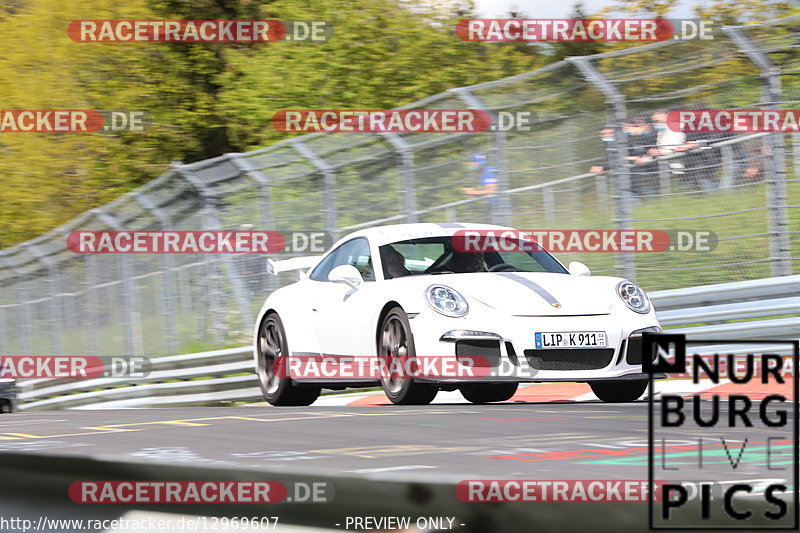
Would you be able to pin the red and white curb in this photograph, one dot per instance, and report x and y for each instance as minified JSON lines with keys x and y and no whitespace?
{"x":561,"y":392}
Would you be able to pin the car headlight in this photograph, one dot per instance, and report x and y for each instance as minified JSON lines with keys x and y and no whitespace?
{"x":446,"y":301}
{"x":634,"y":297}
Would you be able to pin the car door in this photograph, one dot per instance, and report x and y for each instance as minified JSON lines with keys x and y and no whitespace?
{"x":340,"y":314}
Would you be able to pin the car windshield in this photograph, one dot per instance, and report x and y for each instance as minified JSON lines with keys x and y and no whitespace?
{"x":436,"y":255}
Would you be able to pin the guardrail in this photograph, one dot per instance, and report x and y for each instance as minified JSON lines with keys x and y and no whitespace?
{"x":759,"y":309}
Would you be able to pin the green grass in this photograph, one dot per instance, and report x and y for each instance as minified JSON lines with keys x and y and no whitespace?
{"x":741,"y":231}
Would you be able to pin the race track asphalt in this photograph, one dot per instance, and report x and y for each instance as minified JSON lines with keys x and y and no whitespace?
{"x":522,"y":440}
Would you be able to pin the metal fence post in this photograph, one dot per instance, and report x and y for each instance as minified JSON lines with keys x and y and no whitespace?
{"x":328,"y":173}
{"x":211,"y":221}
{"x":727,"y":167}
{"x":549,"y":205}
{"x":664,"y":177}
{"x":23,"y":317}
{"x":778,"y":215}
{"x":56,"y":317}
{"x":601,"y":187}
{"x":617,"y":162}
{"x":406,"y":167}
{"x":168,"y":277}
{"x":131,"y":316}
{"x":90,"y":288}
{"x":501,"y":207}
{"x":503,"y":181}
{"x":265,"y":197}
{"x":4,"y":344}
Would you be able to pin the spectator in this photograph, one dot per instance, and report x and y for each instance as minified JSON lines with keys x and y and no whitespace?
{"x":640,"y":137}
{"x":487,"y":173}
{"x":607,"y":135}
{"x":668,"y":142}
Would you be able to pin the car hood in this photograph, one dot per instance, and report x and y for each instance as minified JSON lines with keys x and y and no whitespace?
{"x":534,"y":293}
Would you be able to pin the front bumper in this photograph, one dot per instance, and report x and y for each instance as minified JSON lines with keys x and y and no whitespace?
{"x":507,"y":347}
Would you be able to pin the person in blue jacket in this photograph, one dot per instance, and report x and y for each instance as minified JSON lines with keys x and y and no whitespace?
{"x":487,"y":173}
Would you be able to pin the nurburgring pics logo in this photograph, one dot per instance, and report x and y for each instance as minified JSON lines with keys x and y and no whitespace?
{"x":554,"y":30}
{"x":744,"y":427}
{"x":382,"y":121}
{"x":197,"y":31}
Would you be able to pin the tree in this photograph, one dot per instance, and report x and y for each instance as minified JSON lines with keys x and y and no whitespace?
{"x":381,"y":55}
{"x":576,"y":48}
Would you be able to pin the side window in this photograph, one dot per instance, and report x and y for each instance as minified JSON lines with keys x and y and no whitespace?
{"x":355,"y":253}
{"x":320,"y":272}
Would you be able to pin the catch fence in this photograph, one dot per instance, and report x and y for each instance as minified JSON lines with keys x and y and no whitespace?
{"x":742,"y":187}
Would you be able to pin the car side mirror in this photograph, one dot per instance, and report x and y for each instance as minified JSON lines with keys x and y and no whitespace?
{"x":347,"y":274}
{"x":576,"y":268}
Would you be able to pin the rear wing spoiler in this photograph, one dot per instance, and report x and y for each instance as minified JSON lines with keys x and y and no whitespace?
{"x":295,"y":263}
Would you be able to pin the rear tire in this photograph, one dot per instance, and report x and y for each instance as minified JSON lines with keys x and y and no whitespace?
{"x":276,"y":385}
{"x":396,"y":345}
{"x":619,"y":391}
{"x":489,"y":392}
{"x":6,"y":407}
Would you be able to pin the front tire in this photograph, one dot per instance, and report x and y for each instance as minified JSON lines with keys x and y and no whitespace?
{"x":396,"y":347}
{"x":489,"y":392}
{"x":271,"y":368}
{"x":619,"y":391}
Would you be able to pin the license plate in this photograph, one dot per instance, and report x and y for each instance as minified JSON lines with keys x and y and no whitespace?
{"x":571,"y":339}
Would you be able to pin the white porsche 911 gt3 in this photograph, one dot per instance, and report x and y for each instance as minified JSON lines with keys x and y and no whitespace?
{"x":406,"y":293}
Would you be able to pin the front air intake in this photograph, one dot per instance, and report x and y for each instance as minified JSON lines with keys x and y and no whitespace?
{"x":569,"y":359}
{"x":487,"y":353}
